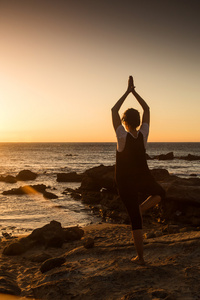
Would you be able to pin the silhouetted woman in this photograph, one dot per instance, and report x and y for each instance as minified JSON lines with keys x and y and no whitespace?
{"x":133,"y":176}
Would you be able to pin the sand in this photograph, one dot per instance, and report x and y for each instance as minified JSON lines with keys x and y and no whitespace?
{"x":172,"y":269}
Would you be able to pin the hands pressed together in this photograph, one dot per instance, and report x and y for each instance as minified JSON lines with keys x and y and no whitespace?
{"x":131,"y":86}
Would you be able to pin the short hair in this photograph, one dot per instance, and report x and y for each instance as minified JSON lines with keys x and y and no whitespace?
{"x":132,"y":117}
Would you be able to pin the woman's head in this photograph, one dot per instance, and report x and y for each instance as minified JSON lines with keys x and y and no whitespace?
{"x":131,"y":118}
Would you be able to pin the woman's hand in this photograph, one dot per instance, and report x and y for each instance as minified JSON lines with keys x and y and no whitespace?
{"x":130,"y":84}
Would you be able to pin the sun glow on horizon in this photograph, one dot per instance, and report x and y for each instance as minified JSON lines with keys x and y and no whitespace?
{"x":62,"y":69}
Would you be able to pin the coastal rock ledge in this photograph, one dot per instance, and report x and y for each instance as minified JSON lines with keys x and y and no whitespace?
{"x":181,"y":204}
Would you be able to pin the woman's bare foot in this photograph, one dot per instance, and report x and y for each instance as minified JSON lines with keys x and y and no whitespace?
{"x":138,"y":261}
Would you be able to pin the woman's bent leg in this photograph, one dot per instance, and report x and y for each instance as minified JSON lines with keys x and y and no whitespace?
{"x":150,"y":202}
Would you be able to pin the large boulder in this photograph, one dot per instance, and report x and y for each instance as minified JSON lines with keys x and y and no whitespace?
{"x":98,"y":177}
{"x":50,"y":235}
{"x":69,"y":177}
{"x":26,"y":175}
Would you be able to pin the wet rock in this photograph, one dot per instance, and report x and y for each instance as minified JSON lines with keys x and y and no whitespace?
{"x":26,"y":175}
{"x":73,"y":233}
{"x":88,"y":242}
{"x":15,"y":248}
{"x":167,"y":156}
{"x":190,"y":157}
{"x":27,"y":189}
{"x":52,"y":263}
{"x":8,"y":179}
{"x":49,"y":195}
{"x":69,"y":177}
{"x":73,"y":193}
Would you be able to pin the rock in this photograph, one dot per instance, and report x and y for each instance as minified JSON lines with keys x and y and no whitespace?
{"x":15,"y":248}
{"x":26,"y":175}
{"x":73,"y":193}
{"x":91,"y":197}
{"x":50,"y":235}
{"x":73,"y":233}
{"x":49,"y":195}
{"x":27,"y":189}
{"x":8,"y":179}
{"x":52,"y":263}
{"x":40,"y":258}
{"x":88,"y":242}
{"x":190,"y":157}
{"x":98,"y":177}
{"x":167,"y":156}
{"x":183,"y":194}
{"x":69,"y":177}
{"x":160,"y":174}
{"x":148,"y":157}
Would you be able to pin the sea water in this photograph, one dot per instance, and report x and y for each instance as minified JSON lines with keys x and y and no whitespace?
{"x":21,"y":214}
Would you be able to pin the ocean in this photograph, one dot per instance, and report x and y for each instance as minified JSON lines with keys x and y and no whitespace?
{"x":22,"y":214}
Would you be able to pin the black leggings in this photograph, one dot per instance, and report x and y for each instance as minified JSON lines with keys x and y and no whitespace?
{"x":129,"y":193}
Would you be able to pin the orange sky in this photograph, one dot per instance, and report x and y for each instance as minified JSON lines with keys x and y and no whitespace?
{"x":64,"y":64}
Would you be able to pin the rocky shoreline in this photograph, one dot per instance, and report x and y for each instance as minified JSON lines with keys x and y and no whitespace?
{"x":93,"y":262}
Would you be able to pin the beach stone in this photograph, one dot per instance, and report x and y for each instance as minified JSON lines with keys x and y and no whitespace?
{"x":52,"y":263}
{"x":49,"y":195}
{"x":8,"y":179}
{"x":15,"y":248}
{"x":40,"y":258}
{"x":88,"y":242}
{"x":26,"y":175}
{"x":73,"y":233}
{"x":50,"y":235}
{"x":69,"y":177}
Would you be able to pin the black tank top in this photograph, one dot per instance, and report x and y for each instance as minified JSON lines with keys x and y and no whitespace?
{"x":131,"y":163}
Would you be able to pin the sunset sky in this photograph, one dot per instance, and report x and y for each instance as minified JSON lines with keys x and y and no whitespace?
{"x":64,"y":64}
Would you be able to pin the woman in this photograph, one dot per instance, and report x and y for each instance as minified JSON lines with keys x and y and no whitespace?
{"x":133,"y":176}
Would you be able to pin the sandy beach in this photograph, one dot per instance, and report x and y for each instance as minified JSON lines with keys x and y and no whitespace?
{"x":105,"y":271}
